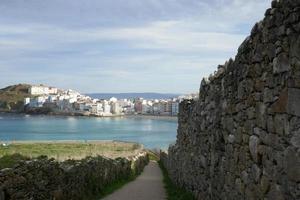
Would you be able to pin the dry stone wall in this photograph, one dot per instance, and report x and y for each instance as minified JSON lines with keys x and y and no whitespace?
{"x":45,"y":178}
{"x":241,"y":138}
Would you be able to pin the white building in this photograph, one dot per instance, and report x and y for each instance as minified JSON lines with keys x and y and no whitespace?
{"x":26,"y":101}
{"x":97,"y":108}
{"x":175,"y":108}
{"x":42,"y":90}
{"x":115,"y":108}
{"x":155,"y":108}
{"x":52,"y":98}
{"x":72,"y":100}
{"x":84,"y":107}
{"x":106,"y":108}
{"x":53,"y":90}
{"x":38,"y":90}
{"x":37,"y":102}
{"x":146,"y":107}
{"x":113,"y":100}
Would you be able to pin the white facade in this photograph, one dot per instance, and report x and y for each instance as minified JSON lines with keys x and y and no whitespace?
{"x":97,"y":108}
{"x":37,"y":102}
{"x":113,"y":99}
{"x":53,"y":90}
{"x":115,"y":108}
{"x":38,"y":90}
{"x":72,"y":100}
{"x":42,"y":90}
{"x":52,"y":98}
{"x":106,"y":108}
{"x":26,"y":101}
{"x":175,"y":108}
{"x":145,"y":108}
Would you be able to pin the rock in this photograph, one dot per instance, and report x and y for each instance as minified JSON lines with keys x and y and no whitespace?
{"x":245,"y":177}
{"x":280,"y":106}
{"x":231,"y":138}
{"x":253,"y":147}
{"x":275,"y":4}
{"x":281,"y":64}
{"x":292,"y":164}
{"x":268,"y":95}
{"x":295,"y":140}
{"x":239,"y":186}
{"x":264,"y":184}
{"x":293,"y":101}
{"x":275,"y":193}
{"x":256,"y":172}
{"x":281,"y":124}
{"x":2,"y":195}
{"x":295,"y":47}
{"x":261,"y":117}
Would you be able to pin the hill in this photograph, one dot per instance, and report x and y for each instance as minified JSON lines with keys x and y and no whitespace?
{"x":12,"y":97}
{"x":147,"y":95}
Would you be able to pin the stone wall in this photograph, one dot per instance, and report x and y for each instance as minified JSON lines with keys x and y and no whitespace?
{"x":45,"y":178}
{"x":241,"y":138}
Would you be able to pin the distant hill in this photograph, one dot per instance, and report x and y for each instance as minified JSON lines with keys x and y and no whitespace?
{"x":12,"y":97}
{"x":146,"y":95}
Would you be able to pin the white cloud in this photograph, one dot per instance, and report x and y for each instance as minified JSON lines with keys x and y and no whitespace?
{"x":162,"y":35}
{"x":183,"y":43}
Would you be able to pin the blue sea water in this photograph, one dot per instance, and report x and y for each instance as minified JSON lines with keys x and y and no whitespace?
{"x":152,"y":133}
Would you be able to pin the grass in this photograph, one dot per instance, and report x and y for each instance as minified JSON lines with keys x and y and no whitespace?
{"x":153,"y":156}
{"x":9,"y":161}
{"x":174,"y":192}
{"x":70,"y":150}
{"x":109,"y":189}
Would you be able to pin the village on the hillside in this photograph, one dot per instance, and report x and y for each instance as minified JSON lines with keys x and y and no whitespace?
{"x":72,"y":102}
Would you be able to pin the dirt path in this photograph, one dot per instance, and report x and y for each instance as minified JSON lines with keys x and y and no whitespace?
{"x":148,"y":186}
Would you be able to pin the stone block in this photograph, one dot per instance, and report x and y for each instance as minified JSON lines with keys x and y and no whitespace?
{"x":255,"y":172}
{"x":280,"y":106}
{"x":281,"y":64}
{"x":264,"y":184}
{"x":295,"y":140}
{"x":253,"y":147}
{"x":268,"y":95}
{"x":292,"y":164}
{"x":294,"y":101}
{"x":275,"y":193}
{"x":231,"y":138}
{"x":261,"y":116}
{"x":295,"y":47}
{"x":281,"y":124}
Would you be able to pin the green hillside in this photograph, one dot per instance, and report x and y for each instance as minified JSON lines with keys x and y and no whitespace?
{"x":12,"y":97}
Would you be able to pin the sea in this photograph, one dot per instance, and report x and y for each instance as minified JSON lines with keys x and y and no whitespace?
{"x":153,"y":133}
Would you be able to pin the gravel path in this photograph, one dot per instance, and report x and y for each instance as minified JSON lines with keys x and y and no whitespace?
{"x":148,"y":186}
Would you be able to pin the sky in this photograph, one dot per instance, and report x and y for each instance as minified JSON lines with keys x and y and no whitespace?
{"x":116,"y":46}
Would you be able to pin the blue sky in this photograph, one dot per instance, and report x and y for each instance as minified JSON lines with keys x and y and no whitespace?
{"x":121,"y":45}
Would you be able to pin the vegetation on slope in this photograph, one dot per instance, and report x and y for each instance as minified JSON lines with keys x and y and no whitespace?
{"x":174,"y":192}
{"x":12,"y":97}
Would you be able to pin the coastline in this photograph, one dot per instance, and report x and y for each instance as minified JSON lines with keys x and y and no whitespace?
{"x":155,"y":117}
{"x":142,"y":116}
{"x":72,"y":142}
